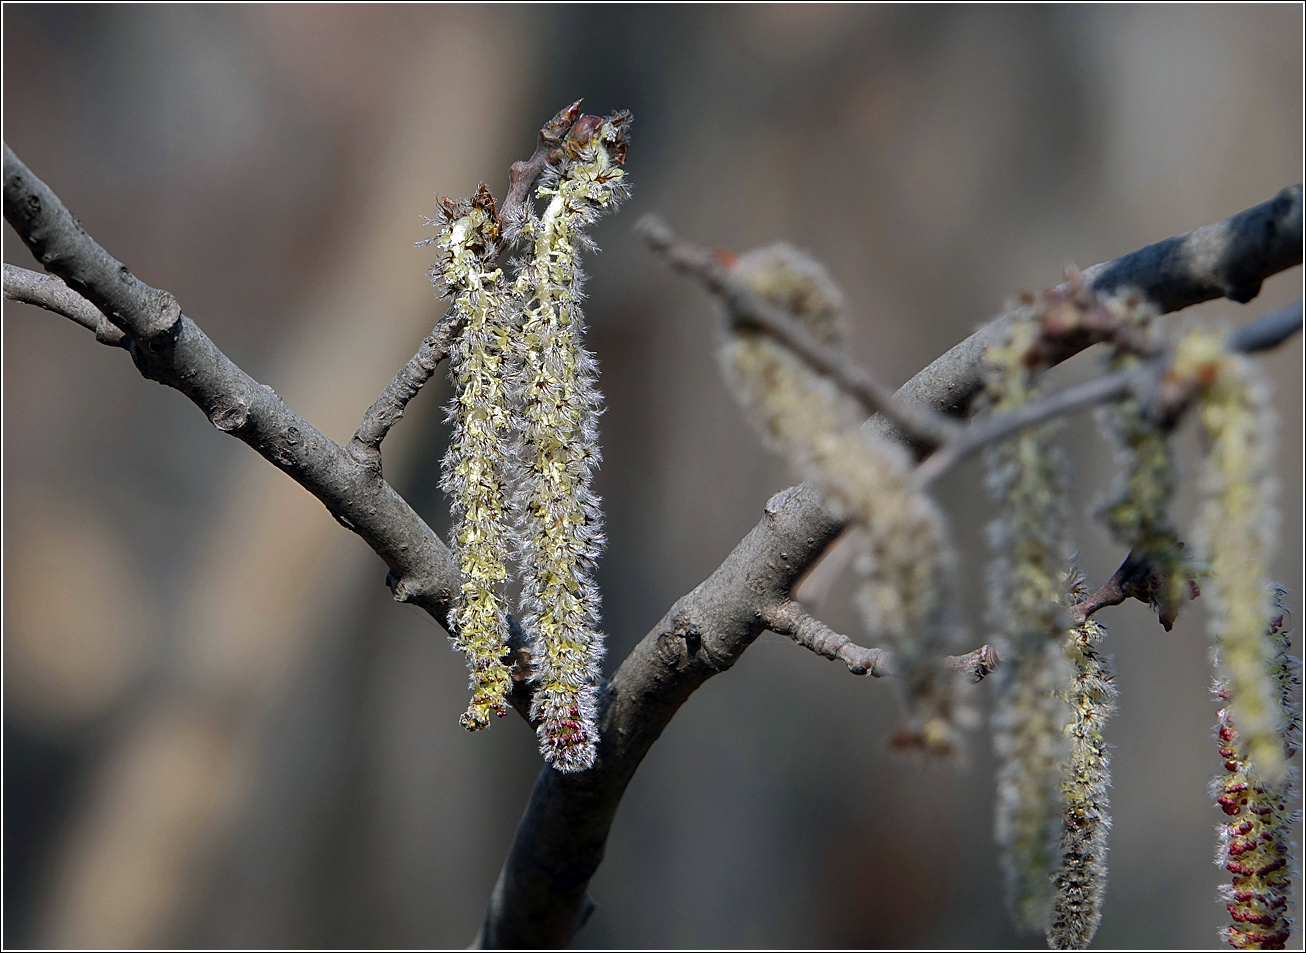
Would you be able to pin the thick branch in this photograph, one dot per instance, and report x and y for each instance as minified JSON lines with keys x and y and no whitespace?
{"x":540,"y":897}
{"x":47,"y":291}
{"x":745,"y":307}
{"x":365,"y":445}
{"x":169,"y":348}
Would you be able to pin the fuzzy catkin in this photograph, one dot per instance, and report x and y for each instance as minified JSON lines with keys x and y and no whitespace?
{"x":804,"y":416}
{"x":1027,"y":477}
{"x":1236,"y":533}
{"x":1079,"y":883}
{"x":476,"y":466}
{"x":560,"y":533}
{"x":1255,"y":845}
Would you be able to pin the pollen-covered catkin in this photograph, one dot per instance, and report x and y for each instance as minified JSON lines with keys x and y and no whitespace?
{"x":476,"y":466}
{"x":1027,"y":477}
{"x":560,"y":533}
{"x":1235,"y":533}
{"x":1255,"y":844}
{"x":804,"y":416}
{"x":1079,"y":883}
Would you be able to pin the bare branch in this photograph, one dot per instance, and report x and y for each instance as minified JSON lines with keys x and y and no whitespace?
{"x":745,"y":307}
{"x":47,"y":291}
{"x":169,"y":348}
{"x":1267,"y":331}
{"x":981,"y":662}
{"x":540,"y":899}
{"x":365,"y":445}
{"x":791,"y":619}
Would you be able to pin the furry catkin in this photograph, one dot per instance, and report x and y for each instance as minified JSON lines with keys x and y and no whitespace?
{"x":1079,"y":882}
{"x":1236,"y":534}
{"x":806,"y":417}
{"x":1255,"y":845}
{"x":560,"y":532}
{"x":1027,"y":477}
{"x":475,"y":468}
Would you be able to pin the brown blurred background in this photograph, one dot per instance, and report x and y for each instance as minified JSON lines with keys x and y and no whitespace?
{"x":220,"y":730}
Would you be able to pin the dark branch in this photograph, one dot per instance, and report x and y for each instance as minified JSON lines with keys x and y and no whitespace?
{"x":745,"y":307}
{"x":540,"y":897}
{"x":1268,"y":331}
{"x":980,"y":663}
{"x":47,"y":291}
{"x":169,"y":348}
{"x":365,"y":445}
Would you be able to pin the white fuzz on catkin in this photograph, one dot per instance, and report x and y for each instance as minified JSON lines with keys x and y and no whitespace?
{"x":804,"y":416}
{"x":560,"y":529}
{"x":1027,"y":477}
{"x":1255,"y":844}
{"x":476,"y":467}
{"x":1079,"y":882}
{"x":1236,"y":533}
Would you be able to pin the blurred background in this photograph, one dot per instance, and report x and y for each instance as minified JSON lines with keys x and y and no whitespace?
{"x":219,"y":730}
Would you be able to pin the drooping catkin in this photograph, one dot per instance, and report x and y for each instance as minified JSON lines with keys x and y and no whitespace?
{"x":1027,"y":477}
{"x":1136,"y":511}
{"x":804,"y":416}
{"x":1079,"y":883}
{"x":1255,"y":845}
{"x":560,"y":533}
{"x":476,"y":466}
{"x":1235,"y":533}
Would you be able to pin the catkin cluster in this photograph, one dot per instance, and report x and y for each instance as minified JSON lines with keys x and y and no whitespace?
{"x":1027,"y":477}
{"x":1255,"y":846}
{"x":804,"y":416}
{"x":525,"y":441}
{"x":1079,"y":882}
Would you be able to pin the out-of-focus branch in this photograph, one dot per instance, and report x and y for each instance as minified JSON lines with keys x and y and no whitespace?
{"x":540,"y":898}
{"x":47,"y":291}
{"x":979,"y":663}
{"x":365,"y":445}
{"x":745,"y":307}
{"x":1266,"y":332}
{"x":170,"y":348}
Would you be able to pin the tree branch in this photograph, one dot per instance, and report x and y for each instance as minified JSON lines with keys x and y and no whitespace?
{"x":791,"y":619}
{"x":365,"y":445}
{"x":47,"y":291}
{"x":170,"y":348}
{"x":522,"y":175}
{"x":539,"y":899}
{"x":745,"y":307}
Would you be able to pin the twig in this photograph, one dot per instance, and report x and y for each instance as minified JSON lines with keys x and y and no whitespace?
{"x":540,"y":898}
{"x":745,"y":307}
{"x":791,"y":619}
{"x":47,"y":291}
{"x":365,"y":445}
{"x":522,"y":175}
{"x":979,"y":663}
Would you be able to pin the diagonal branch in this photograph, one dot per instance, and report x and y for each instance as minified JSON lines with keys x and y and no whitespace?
{"x":47,"y":291}
{"x":745,"y":307}
{"x":540,"y":898}
{"x":170,"y":348}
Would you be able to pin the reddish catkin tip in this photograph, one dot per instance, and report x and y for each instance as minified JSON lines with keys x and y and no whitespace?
{"x":725,"y":257}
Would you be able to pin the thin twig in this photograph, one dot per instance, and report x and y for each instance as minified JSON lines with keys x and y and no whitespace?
{"x":365,"y":445}
{"x":47,"y":291}
{"x":791,"y":619}
{"x":745,"y":307}
{"x":979,"y":663}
